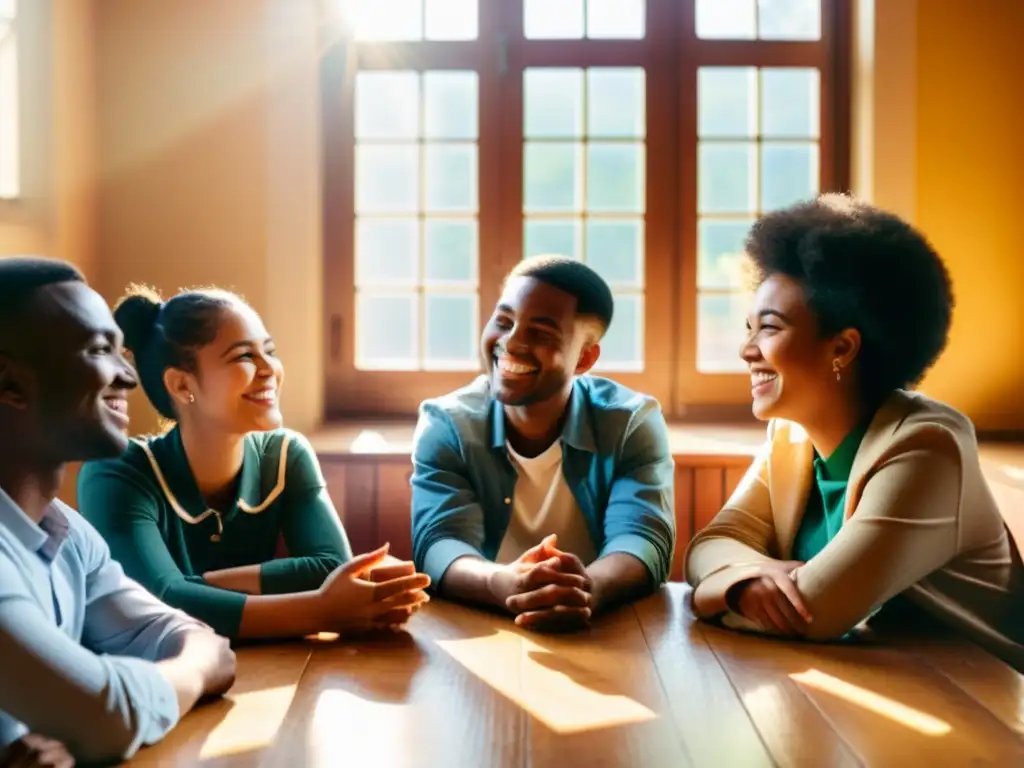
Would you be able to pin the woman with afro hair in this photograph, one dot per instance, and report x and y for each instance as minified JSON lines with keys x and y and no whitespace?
{"x":865,"y":491}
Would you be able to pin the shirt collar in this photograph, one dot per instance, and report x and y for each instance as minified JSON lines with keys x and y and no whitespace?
{"x":839,"y":465}
{"x":576,"y":432}
{"x":169,"y":452}
{"x":45,"y":538}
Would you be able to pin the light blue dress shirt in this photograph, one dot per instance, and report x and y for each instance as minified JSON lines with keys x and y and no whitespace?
{"x":616,"y":461}
{"x":78,"y":640}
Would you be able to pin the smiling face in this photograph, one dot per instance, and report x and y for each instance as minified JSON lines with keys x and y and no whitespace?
{"x":791,"y":362}
{"x":535,"y":342}
{"x":71,"y":392}
{"x":238,"y":381}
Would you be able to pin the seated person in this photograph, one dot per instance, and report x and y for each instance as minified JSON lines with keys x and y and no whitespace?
{"x":195,"y":514}
{"x":91,"y":665}
{"x":864,"y":490}
{"x":538,"y":489}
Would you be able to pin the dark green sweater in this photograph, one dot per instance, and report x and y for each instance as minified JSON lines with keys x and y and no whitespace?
{"x":158,"y":525}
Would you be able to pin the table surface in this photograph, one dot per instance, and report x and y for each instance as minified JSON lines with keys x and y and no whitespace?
{"x":648,"y":685}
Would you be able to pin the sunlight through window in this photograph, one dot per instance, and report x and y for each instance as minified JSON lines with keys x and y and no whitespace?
{"x":880,"y":705}
{"x":564,"y":703}
{"x":9,"y":112}
{"x":250,"y":724}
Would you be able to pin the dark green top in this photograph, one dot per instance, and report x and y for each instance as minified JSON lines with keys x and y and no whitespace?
{"x":147,"y":506}
{"x":825,"y":507}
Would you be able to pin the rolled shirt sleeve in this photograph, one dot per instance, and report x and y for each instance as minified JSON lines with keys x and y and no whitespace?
{"x":102,"y":697}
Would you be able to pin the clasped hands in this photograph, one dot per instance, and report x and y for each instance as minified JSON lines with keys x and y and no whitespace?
{"x":371,"y":592}
{"x":772,"y":600}
{"x":546,"y":589}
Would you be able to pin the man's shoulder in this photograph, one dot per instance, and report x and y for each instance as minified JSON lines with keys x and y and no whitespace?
{"x":472,"y":401}
{"x":608,"y":395}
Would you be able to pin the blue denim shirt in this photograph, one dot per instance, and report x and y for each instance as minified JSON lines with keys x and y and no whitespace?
{"x":616,"y":461}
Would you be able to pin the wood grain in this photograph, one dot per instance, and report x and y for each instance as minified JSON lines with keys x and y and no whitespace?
{"x":647,"y":685}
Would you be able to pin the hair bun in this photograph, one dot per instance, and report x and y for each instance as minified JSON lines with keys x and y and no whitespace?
{"x":136,"y":314}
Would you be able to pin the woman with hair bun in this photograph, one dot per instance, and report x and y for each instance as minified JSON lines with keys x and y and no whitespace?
{"x":195,"y":514}
{"x":867,"y":495}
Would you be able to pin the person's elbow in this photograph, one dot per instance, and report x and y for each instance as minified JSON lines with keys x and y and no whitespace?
{"x":113,"y":734}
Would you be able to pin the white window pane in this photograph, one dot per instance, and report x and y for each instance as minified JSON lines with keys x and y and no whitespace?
{"x":386,"y":331}
{"x":553,"y":19}
{"x":451,"y":177}
{"x":721,"y":261}
{"x":555,"y":237}
{"x":789,"y":173}
{"x":452,"y":247}
{"x":10,"y":141}
{"x":615,"y":19}
{"x":721,"y":330}
{"x":789,"y":103}
{"x":622,"y":348}
{"x":450,"y":105}
{"x":452,"y":20}
{"x":451,"y":333}
{"x":789,"y":19}
{"x":552,"y":176}
{"x":727,"y":102}
{"x":387,"y":105}
{"x":726,"y":19}
{"x":387,"y":251}
{"x":552,"y":103}
{"x":387,"y":178}
{"x":727,"y":177}
{"x":615,"y":177}
{"x":374,"y":20}
{"x":615,"y":249}
{"x":616,"y":102}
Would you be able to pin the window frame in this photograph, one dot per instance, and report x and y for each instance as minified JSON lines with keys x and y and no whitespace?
{"x":671,"y":54}
{"x":12,"y":37}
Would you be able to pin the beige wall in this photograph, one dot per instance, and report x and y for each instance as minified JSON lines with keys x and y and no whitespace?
{"x":208,"y":163}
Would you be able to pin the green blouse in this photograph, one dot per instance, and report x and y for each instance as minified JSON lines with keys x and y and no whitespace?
{"x":148,"y":508}
{"x":824,"y":514}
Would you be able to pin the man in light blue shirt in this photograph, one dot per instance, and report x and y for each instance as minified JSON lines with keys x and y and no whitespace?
{"x":87,"y":657}
{"x":539,"y":489}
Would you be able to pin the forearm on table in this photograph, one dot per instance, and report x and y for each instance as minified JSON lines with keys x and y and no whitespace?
{"x":472,"y":579}
{"x":617,"y":578}
{"x":280,"y":616}
{"x":244,"y":578}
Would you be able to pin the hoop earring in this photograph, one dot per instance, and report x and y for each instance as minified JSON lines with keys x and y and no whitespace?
{"x":191,"y":397}
{"x":835,"y":369}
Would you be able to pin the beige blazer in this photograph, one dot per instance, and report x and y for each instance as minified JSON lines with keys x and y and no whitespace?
{"x":919,"y":520}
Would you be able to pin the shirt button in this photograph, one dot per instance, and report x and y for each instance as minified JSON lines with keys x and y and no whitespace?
{"x":508,"y":501}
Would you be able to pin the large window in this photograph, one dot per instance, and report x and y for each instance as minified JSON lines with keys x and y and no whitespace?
{"x":641,"y":136}
{"x":9,"y":117}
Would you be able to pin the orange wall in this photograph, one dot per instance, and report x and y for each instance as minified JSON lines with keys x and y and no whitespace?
{"x":970,"y":161}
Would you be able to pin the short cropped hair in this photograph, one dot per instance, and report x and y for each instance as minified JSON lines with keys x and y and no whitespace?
{"x":592,"y":294}
{"x":21,"y":277}
{"x":863,"y":268}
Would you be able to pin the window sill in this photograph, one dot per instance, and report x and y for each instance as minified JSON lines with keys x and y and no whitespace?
{"x":375,"y":438}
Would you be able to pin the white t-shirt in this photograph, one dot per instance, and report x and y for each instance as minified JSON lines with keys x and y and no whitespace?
{"x":542,"y":505}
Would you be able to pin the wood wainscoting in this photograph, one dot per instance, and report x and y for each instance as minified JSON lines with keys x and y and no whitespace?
{"x":367,"y":467}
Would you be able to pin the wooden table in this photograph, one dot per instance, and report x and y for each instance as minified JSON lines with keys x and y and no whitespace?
{"x":647,"y":686}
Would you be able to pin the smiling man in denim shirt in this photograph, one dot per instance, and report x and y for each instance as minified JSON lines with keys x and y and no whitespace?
{"x":537,"y":488}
